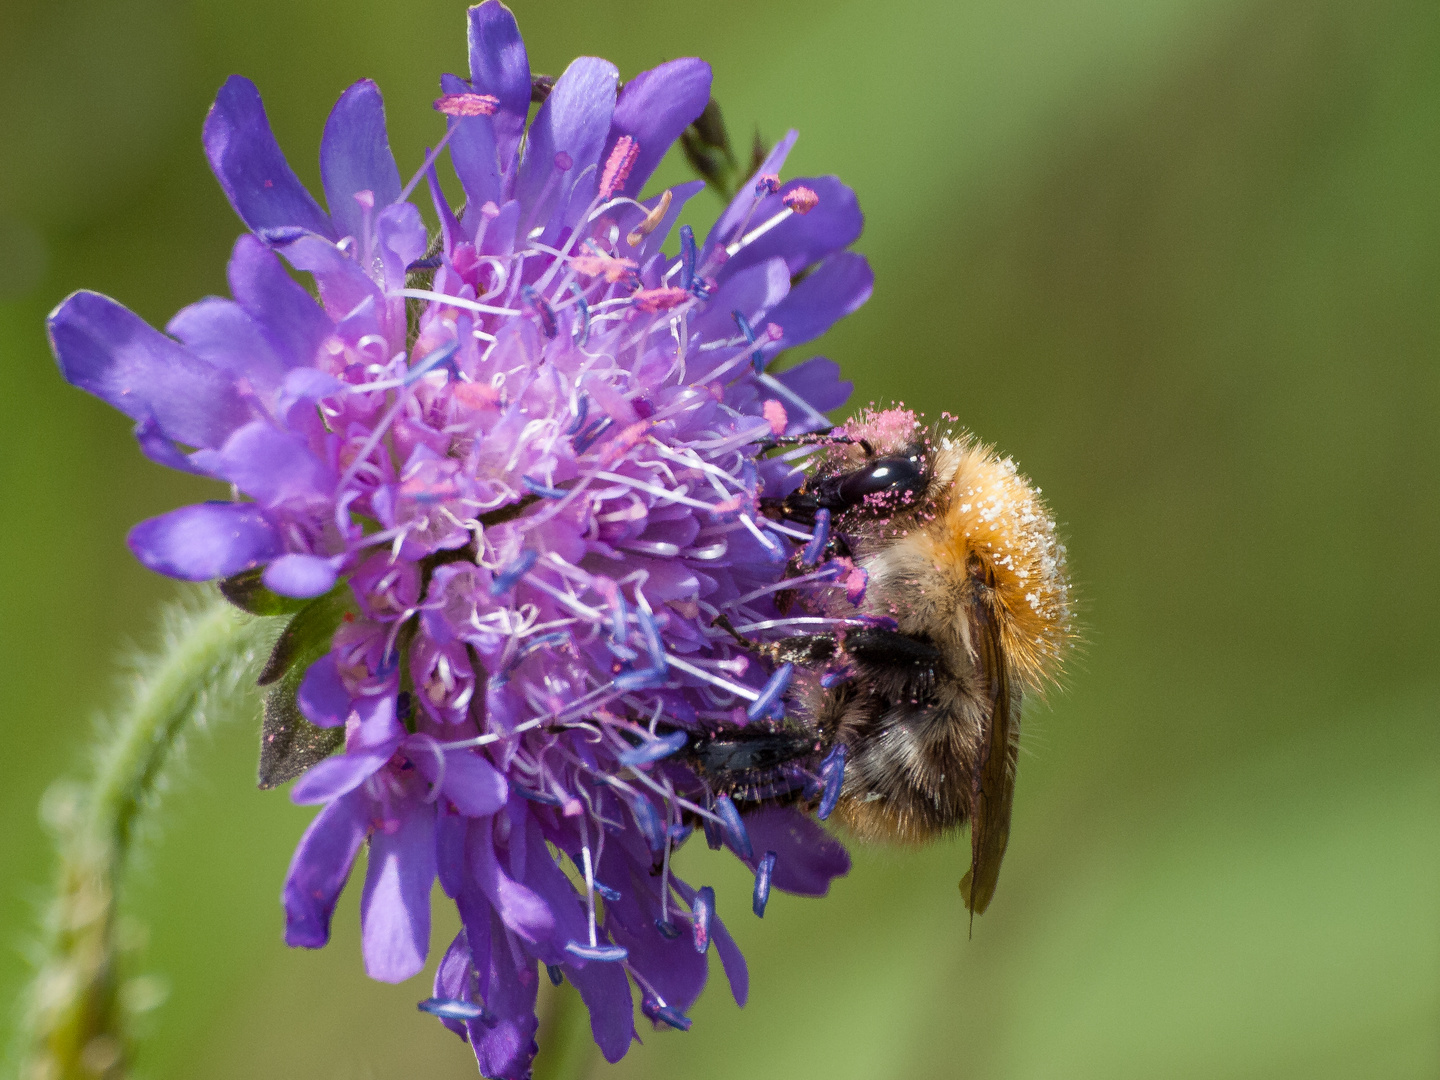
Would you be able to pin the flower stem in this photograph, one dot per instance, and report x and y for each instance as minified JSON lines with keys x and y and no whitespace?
{"x":77,"y":1012}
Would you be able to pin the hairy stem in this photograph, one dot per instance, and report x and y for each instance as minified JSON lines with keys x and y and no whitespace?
{"x":76,"y":1022}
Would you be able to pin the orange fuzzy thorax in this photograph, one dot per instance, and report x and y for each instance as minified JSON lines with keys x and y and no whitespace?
{"x":993,"y":512}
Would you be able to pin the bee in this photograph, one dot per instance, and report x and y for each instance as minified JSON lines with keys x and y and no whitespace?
{"x":967,"y":609}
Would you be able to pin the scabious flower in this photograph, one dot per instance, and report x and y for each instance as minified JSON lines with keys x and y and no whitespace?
{"x":511,"y":478}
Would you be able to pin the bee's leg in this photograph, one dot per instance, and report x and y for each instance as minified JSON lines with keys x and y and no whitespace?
{"x":798,"y":649}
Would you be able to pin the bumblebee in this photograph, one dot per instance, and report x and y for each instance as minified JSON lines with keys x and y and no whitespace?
{"x":967,"y":608}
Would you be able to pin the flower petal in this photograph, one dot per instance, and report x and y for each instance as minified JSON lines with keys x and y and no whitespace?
{"x":473,"y":784}
{"x":838,"y":287}
{"x":271,"y":466}
{"x":474,"y":151}
{"x":287,"y":315}
{"x":395,"y":906}
{"x":108,"y":350}
{"x":727,"y":226}
{"x":522,"y":911}
{"x":250,"y":166}
{"x":221,"y":333}
{"x":572,"y":123}
{"x":322,"y":698}
{"x":205,"y":541}
{"x":508,"y":982}
{"x":817,"y":381}
{"x":355,"y":156}
{"x":654,"y":108}
{"x":337,"y":776}
{"x":808,"y":856}
{"x":500,"y":67}
{"x":606,"y":993}
{"x":320,"y":868}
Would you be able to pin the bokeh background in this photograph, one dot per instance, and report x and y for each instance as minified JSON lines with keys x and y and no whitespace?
{"x":1180,"y":257}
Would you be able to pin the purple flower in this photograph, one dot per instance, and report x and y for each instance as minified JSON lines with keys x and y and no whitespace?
{"x":516,"y":474}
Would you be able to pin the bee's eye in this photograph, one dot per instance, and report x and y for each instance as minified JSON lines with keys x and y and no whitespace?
{"x":892,"y":477}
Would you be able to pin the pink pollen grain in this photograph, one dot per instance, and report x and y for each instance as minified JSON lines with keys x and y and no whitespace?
{"x":661,"y":299}
{"x":767,"y":184}
{"x":617,"y":168}
{"x":613,"y":268}
{"x":774,"y":412}
{"x":801,"y":199}
{"x":467,"y":104}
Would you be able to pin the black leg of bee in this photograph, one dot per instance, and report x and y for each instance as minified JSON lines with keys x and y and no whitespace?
{"x":797,"y":649}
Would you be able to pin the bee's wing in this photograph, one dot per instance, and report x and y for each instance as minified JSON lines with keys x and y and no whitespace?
{"x":992,"y":786}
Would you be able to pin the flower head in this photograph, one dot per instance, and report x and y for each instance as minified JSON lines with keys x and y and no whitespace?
{"x":511,"y":478}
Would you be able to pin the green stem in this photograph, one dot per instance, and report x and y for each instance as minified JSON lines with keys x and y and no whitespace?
{"x":76,"y":1022}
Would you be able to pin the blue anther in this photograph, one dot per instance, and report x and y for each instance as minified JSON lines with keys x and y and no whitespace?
{"x":584,"y":309}
{"x":546,"y":314}
{"x":819,"y":537}
{"x":534,"y":645}
{"x":535,"y":796}
{"x":282,"y":234}
{"x":619,"y":617}
{"x":770,"y":695}
{"x":654,"y":749}
{"x":679,"y":834}
{"x":591,"y":435}
{"x":640,"y":679}
{"x":764,"y":871}
{"x":607,"y":893}
{"x":714,"y":835}
{"x":505,"y":580}
{"x":757,"y":359}
{"x":687,"y":256}
{"x":535,"y":487}
{"x":676,"y":1019}
{"x":601,"y":953}
{"x":832,"y":679}
{"x":668,"y":930}
{"x":434,"y":262}
{"x":432,"y":360}
{"x":735,"y":831}
{"x":650,"y":634}
{"x":453,"y":1009}
{"x":648,"y":822}
{"x":582,"y":410}
{"x":702,"y":908}
{"x":556,"y":975}
{"x":832,"y":770}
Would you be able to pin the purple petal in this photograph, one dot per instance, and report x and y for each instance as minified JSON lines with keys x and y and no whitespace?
{"x":355,"y":156}
{"x":271,"y":466}
{"x":508,"y":982}
{"x":320,"y":867}
{"x":474,"y":152}
{"x":818,"y":382}
{"x":732,"y":960}
{"x":250,"y":166}
{"x":654,"y":108}
{"x":401,"y":239}
{"x":500,"y":67}
{"x":221,"y":333}
{"x":322,"y":698}
{"x":606,"y":993}
{"x":473,"y":784}
{"x":336,"y":776}
{"x":155,"y":446}
{"x":343,"y":284}
{"x":289,"y":318}
{"x":450,"y":830}
{"x":573,"y":121}
{"x":210,"y":540}
{"x":522,"y":911}
{"x":807,"y":857}
{"x":452,"y":977}
{"x":838,"y":287}
{"x":802,"y":239}
{"x":395,"y":906}
{"x":111,"y":352}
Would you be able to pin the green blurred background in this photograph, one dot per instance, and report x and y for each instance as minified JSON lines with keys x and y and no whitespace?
{"x":1180,"y":257}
